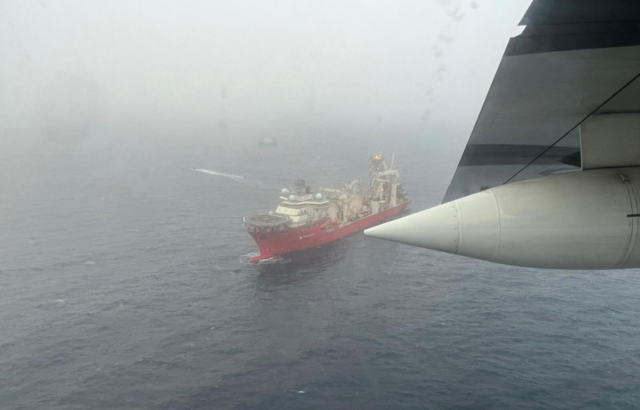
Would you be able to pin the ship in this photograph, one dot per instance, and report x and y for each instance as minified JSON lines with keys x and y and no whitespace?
{"x":267,"y":142}
{"x":304,"y":219}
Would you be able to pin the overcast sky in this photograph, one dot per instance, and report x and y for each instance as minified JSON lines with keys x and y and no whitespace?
{"x":78,"y":71}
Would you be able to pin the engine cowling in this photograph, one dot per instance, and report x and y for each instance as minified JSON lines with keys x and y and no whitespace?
{"x":577,"y":220}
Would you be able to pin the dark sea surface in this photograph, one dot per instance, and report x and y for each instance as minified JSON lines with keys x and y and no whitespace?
{"x":124,"y":285}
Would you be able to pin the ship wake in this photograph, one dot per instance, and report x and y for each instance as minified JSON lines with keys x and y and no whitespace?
{"x":246,"y":260}
{"x":236,"y":178}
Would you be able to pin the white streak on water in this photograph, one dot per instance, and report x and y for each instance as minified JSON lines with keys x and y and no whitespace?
{"x":236,"y":178}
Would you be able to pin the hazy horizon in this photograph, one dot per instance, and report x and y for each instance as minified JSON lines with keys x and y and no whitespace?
{"x":90,"y":83}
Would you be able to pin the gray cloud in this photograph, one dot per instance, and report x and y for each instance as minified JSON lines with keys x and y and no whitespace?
{"x":98,"y":74}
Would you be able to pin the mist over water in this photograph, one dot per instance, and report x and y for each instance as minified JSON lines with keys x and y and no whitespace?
{"x":129,"y":154}
{"x":112,"y":84}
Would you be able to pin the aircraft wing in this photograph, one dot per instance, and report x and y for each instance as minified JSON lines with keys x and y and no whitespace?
{"x":574,"y":59}
{"x":566,"y":97}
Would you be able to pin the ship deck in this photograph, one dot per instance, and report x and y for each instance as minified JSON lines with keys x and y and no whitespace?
{"x":265,"y":220}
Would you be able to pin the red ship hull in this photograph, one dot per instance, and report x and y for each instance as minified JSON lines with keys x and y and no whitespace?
{"x":289,"y":240}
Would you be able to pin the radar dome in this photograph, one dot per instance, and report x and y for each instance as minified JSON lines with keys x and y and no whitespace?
{"x":290,"y":197}
{"x":318,"y":196}
{"x":285,"y":191}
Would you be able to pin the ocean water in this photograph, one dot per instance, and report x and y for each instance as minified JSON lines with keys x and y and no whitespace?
{"x":124,"y":285}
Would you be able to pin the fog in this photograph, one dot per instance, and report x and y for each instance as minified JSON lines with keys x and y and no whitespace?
{"x":90,"y":78}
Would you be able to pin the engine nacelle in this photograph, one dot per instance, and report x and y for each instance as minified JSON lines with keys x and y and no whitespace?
{"x":577,"y":220}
